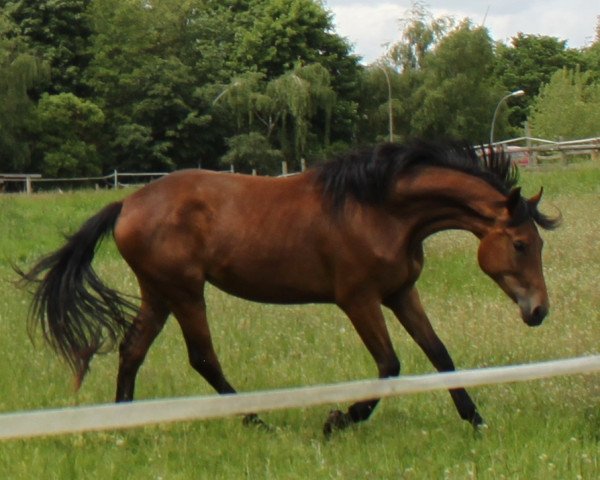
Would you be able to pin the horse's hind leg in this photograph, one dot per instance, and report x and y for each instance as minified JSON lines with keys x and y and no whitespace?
{"x":409,"y":311}
{"x":146,"y":326}
{"x":191,"y":315}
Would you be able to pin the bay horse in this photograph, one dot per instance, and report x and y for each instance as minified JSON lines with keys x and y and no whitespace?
{"x":349,"y":232}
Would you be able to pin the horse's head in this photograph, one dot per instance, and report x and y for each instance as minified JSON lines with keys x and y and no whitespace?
{"x":511,"y":254}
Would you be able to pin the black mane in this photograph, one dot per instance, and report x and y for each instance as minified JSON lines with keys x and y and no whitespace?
{"x":368,"y":174}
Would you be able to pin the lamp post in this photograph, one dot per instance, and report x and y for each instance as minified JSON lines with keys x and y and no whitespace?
{"x":516,"y":93}
{"x":390,"y":116}
{"x":225,"y":90}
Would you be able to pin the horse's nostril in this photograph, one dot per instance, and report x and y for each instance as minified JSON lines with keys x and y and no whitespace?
{"x":537,"y":315}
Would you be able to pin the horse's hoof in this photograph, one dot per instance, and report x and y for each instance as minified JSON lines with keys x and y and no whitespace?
{"x":478,"y":423}
{"x":480,"y":428}
{"x":253,"y":420}
{"x":337,"y":420}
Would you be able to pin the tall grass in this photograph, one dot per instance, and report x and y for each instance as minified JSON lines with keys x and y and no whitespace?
{"x":545,"y":429}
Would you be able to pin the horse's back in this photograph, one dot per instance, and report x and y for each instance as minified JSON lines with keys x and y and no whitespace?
{"x":178,"y":199}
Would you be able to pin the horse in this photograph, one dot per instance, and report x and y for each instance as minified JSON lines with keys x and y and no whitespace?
{"x":349,"y":231}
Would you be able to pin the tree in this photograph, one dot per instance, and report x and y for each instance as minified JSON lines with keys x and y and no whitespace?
{"x":280,"y":34}
{"x":374,"y":104}
{"x":246,"y":99}
{"x":459,"y":90}
{"x":277,"y":34}
{"x":20,"y":70}
{"x":66,"y":129}
{"x":158,"y":67}
{"x":58,"y":32}
{"x":405,"y":63}
{"x":528,"y":63}
{"x":591,"y":56}
{"x":283,"y":107}
{"x":251,"y":151}
{"x":420,"y":32}
{"x":568,"y":107}
{"x":144,"y":86}
{"x":299,"y":95}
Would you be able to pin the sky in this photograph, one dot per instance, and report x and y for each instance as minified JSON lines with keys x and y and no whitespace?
{"x":369,"y":25}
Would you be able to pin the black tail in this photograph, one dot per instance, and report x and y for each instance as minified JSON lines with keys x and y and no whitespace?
{"x":78,"y":314}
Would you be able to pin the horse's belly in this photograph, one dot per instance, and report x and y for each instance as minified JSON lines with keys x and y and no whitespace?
{"x":273,"y":291}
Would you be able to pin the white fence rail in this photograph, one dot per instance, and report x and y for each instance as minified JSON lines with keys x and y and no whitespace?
{"x":119,"y":416}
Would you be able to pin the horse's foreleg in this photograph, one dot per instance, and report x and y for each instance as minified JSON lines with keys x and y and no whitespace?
{"x":409,"y":311}
{"x":132,"y":351}
{"x":369,"y":322}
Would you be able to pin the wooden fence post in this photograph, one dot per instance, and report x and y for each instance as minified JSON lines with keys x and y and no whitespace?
{"x":531,"y":154}
{"x":563,"y":153}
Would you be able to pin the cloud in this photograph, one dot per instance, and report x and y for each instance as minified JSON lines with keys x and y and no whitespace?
{"x":370,"y":25}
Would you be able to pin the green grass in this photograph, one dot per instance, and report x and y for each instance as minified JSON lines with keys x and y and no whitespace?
{"x":537,"y":430}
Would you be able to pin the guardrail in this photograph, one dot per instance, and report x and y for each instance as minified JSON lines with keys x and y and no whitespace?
{"x":113,"y":180}
{"x":19,"y":177}
{"x":533,"y":152}
{"x":119,"y":416}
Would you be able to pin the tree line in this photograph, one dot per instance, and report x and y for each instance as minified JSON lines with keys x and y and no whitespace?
{"x":88,"y":86}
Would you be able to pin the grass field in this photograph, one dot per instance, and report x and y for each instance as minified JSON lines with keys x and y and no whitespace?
{"x":538,"y":430}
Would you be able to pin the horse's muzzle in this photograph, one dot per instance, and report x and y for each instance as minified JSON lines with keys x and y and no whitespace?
{"x":535,"y":316}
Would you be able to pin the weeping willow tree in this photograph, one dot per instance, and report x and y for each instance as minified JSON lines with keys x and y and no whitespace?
{"x":244,"y":97}
{"x":299,"y":96}
{"x":287,"y":110}
{"x":420,"y":32}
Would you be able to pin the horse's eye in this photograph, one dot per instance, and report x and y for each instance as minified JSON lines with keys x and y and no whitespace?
{"x":520,"y":246}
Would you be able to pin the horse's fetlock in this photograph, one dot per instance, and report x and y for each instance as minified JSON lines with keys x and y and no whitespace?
{"x":337,"y":420}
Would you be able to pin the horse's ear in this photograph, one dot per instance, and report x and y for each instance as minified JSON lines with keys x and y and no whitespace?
{"x":533,"y":201}
{"x":512,"y":201}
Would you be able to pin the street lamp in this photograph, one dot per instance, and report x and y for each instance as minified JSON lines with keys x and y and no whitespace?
{"x":225,"y":90}
{"x":390,"y":116}
{"x":516,"y":93}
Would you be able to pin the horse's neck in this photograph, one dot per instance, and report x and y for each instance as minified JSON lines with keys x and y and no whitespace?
{"x":442,"y":199}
